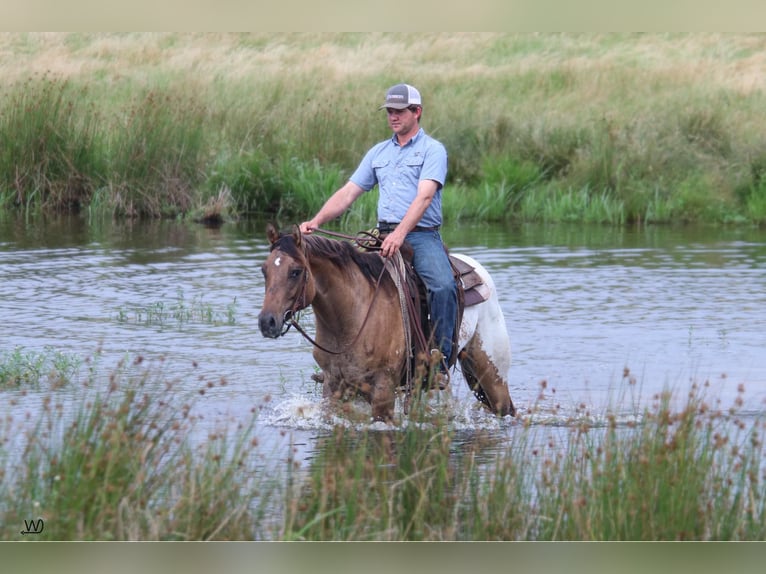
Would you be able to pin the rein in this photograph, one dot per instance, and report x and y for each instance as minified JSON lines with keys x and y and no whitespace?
{"x":369,"y":242}
{"x":302,"y":297}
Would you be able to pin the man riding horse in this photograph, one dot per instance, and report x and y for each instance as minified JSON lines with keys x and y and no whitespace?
{"x":410,"y":169}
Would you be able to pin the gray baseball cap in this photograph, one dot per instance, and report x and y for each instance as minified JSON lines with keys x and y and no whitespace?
{"x":401,"y":96}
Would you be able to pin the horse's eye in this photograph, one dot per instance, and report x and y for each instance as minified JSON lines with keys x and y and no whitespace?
{"x":295,"y":273}
{"x":263,"y":270}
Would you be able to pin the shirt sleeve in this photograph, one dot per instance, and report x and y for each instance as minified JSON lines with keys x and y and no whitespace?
{"x":435,"y":164}
{"x":364,"y":176}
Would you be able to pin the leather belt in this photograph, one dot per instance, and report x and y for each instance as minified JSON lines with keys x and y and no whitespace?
{"x":388,"y":227}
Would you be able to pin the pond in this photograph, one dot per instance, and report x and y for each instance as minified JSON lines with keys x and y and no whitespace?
{"x":600,"y":318}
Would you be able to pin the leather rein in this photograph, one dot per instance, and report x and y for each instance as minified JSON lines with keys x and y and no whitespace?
{"x":371,"y":243}
{"x":300,"y":300}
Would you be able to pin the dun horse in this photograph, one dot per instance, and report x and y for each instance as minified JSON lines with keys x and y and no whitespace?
{"x":360,"y":343}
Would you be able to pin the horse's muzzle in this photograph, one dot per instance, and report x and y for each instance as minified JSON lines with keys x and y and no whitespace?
{"x":270,"y":324}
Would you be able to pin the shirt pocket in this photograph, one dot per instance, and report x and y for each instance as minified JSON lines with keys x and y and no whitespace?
{"x":413,"y":166}
{"x":416,"y":161}
{"x":381,"y":169}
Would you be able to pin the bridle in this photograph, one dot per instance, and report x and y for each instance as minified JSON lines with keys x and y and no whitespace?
{"x":371,"y":243}
{"x":299,"y":304}
{"x":289,"y":317}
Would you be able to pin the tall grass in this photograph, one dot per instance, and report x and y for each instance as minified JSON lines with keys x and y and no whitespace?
{"x":694,"y":472}
{"x":691,"y":474}
{"x":156,"y":155}
{"x":48,"y":130}
{"x":60,"y":153}
{"x":125,"y":458}
{"x":120,"y":464}
{"x":650,"y":128}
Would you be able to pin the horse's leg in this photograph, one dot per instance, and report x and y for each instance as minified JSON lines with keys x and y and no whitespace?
{"x":382,"y":398}
{"x":331,"y":387}
{"x":484,"y":369}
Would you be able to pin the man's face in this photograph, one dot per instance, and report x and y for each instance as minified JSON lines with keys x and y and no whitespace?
{"x":403,"y":122}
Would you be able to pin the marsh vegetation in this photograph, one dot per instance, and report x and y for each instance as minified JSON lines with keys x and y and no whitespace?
{"x":607,"y":128}
{"x":126,"y":462}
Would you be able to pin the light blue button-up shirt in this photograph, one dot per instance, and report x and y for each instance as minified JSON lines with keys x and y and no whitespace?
{"x":398,"y":169}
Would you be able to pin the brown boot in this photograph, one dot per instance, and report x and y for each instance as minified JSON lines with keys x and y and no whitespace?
{"x":440,"y":373}
{"x":440,"y":380}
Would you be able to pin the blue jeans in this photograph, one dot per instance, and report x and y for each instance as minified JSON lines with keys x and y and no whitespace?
{"x":432,"y":264}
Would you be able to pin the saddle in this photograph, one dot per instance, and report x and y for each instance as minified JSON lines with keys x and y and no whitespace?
{"x":471,"y":290}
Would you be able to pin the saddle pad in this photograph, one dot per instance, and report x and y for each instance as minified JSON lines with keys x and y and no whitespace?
{"x":476,"y":295}
{"x":474,"y":288}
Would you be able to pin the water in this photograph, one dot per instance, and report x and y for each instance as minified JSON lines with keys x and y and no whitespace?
{"x":599,"y":318}
{"x":671,"y":306}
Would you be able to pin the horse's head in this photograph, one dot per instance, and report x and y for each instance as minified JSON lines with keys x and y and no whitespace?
{"x":289,"y":285}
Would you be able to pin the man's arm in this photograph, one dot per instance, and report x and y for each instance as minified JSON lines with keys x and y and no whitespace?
{"x":337,"y":203}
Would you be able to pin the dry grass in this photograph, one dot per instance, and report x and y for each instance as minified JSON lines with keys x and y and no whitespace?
{"x":728,"y":61}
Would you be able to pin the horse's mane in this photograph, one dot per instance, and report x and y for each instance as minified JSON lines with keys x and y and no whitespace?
{"x":339,"y":253}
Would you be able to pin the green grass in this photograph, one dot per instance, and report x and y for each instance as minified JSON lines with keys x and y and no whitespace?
{"x":121,"y":466}
{"x":155,"y":154}
{"x":607,"y":128}
{"x":47,"y":131}
{"x":689,"y":474}
{"x":126,"y":459}
{"x":22,"y":368}
{"x":179,"y":312}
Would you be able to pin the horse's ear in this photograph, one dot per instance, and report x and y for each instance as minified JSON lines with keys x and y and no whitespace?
{"x":272,"y":233}
{"x":297,"y":235}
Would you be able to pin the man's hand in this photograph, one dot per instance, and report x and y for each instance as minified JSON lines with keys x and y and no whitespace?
{"x":307,"y":227}
{"x":392,"y":243}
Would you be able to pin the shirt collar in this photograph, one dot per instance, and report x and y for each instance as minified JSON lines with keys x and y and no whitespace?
{"x":412,"y":140}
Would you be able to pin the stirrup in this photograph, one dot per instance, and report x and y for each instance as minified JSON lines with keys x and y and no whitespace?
{"x":440,"y":373}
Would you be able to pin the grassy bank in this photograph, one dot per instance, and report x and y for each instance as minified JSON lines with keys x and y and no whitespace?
{"x":602,"y":128}
{"x":127,"y":459}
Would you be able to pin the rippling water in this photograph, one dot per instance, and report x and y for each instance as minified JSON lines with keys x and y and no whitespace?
{"x":597,"y":316}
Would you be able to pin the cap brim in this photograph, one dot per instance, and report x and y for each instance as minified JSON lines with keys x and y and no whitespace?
{"x":394,"y":106}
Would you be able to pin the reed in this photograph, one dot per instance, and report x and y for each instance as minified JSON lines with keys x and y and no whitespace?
{"x":374,"y":486}
{"x":126,"y":459}
{"x":691,"y":474}
{"x":651,"y":128}
{"x":120,"y":464}
{"x":48,"y":130}
{"x":155,"y":155}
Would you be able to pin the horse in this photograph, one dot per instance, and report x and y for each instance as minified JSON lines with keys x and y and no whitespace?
{"x":360,"y":342}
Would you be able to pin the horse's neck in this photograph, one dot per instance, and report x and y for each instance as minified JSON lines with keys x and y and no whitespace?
{"x":340,"y":302}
